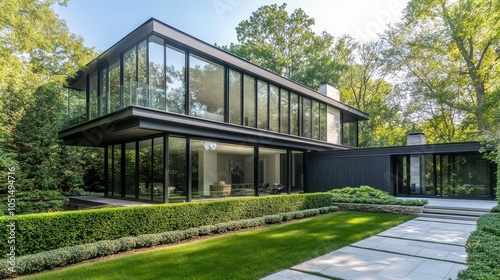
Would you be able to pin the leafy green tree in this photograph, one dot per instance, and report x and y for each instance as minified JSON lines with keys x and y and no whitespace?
{"x":446,"y":56}
{"x":286,"y":44}
{"x":363,"y":86}
{"x":37,"y":51}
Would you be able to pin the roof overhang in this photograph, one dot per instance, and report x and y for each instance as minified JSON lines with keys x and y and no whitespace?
{"x":132,"y":123}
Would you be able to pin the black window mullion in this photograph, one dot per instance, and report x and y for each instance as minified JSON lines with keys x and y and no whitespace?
{"x":187,"y":54}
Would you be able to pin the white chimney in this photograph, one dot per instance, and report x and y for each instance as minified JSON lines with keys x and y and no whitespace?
{"x":329,"y":90}
{"x":416,"y":138}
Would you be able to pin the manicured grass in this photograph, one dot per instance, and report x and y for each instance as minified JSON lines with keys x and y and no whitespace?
{"x":246,"y":255}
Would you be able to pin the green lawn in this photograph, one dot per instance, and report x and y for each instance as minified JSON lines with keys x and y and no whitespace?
{"x":246,"y":255}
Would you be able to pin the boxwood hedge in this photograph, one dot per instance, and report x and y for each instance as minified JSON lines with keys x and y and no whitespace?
{"x":483,"y":250}
{"x":41,"y":232}
{"x":68,"y":255}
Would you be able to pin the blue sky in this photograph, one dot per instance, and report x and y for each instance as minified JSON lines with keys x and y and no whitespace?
{"x":103,"y":22}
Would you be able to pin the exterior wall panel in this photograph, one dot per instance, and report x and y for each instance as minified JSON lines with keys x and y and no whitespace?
{"x":333,"y":125}
{"x":326,"y":173}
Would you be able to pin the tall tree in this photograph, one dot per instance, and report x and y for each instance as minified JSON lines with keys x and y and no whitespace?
{"x":36,"y":50}
{"x":363,"y":86}
{"x":445,"y":53}
{"x":286,"y":44}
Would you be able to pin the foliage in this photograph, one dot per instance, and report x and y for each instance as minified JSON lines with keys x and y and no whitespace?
{"x":363,"y":86}
{"x":369,"y":195}
{"x":250,"y":254}
{"x":483,"y":249}
{"x":445,"y":54}
{"x":286,"y":44}
{"x":37,"y":52}
{"x":37,"y":201}
{"x":41,"y":232}
{"x":74,"y":254}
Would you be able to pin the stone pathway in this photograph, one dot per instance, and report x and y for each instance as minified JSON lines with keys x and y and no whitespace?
{"x":423,"y":248}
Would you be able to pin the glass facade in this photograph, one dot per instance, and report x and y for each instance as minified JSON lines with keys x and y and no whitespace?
{"x":206,"y":92}
{"x":445,"y":175}
{"x":155,"y":74}
{"x":216,"y":169}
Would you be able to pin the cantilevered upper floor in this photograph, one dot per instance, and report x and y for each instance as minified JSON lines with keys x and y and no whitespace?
{"x":158,"y":78}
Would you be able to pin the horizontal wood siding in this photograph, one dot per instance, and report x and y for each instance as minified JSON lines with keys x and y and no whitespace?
{"x":327,"y":173}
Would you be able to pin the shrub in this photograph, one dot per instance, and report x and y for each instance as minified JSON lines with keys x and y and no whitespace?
{"x":483,"y":249}
{"x":496,"y":209}
{"x":62,"y":256}
{"x":369,"y":195}
{"x":41,"y":232}
{"x":36,"y":201}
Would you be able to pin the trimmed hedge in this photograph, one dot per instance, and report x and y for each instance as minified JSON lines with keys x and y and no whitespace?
{"x":369,"y":195}
{"x":483,"y":250}
{"x":42,"y":232}
{"x":69,"y":255}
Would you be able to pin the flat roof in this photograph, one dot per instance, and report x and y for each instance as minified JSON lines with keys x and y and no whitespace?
{"x":462,"y":147}
{"x":156,"y":27}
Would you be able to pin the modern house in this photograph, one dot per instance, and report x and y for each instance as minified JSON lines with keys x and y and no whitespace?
{"x":182,"y":120}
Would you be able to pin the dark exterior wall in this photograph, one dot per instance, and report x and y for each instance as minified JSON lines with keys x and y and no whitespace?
{"x":326,"y":173}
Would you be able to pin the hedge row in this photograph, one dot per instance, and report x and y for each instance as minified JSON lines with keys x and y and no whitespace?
{"x":42,"y":232}
{"x":369,"y":195}
{"x":483,"y":250}
{"x":69,"y":255}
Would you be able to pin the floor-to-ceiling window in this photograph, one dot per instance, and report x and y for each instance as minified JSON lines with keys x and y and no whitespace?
{"x":145,"y":169}
{"x":274,"y":108}
{"x":285,"y":116}
{"x":249,"y":101}
{"x":273,"y":178}
{"x":129,"y":170}
{"x":206,"y":89}
{"x":114,"y":86}
{"x":446,"y":175}
{"x":129,"y":76}
{"x":177,"y":169}
{"x":176,"y":80}
{"x":221,"y":170}
{"x":262,"y":105}
{"x":93,"y":97}
{"x":297,"y":172}
{"x":117,"y":179}
{"x":156,"y":73}
{"x":158,"y":169}
{"x":234,"y":97}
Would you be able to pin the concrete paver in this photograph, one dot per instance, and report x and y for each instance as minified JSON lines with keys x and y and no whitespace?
{"x":423,"y":248}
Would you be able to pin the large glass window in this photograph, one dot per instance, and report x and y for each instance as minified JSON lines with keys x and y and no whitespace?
{"x":177,"y":168}
{"x":249,"y":101}
{"x":117,"y":179}
{"x":156,"y":53}
{"x":145,"y":169}
{"x":206,"y":89}
{"x":349,"y":132}
{"x":142,"y":96}
{"x":176,"y":80}
{"x":285,"y":119}
{"x":104,"y":94}
{"x":306,"y":118}
{"x":274,"y":108}
{"x":315,"y":120}
{"x":294,"y":114}
{"x":129,"y":76}
{"x":93,"y":96}
{"x":262,"y":101}
{"x":322,"y":122}
{"x":272,"y":171}
{"x":130,"y":169}
{"x":221,"y":170}
{"x":234,"y":97}
{"x":158,"y":169}
{"x":297,"y":172}
{"x":114,"y":86}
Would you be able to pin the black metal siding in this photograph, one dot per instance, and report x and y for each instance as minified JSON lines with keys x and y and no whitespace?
{"x":326,"y":173}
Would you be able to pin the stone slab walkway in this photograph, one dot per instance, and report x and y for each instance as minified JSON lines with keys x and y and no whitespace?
{"x":423,"y":248}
